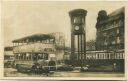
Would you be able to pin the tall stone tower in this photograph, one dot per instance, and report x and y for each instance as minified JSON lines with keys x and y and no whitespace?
{"x":78,"y":39}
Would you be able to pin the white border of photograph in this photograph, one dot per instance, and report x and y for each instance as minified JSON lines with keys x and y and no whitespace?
{"x":98,"y":3}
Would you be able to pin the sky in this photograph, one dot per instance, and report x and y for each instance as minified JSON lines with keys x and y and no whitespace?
{"x":20,"y":19}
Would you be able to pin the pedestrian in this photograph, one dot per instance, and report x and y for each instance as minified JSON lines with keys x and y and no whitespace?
{"x":114,"y":66}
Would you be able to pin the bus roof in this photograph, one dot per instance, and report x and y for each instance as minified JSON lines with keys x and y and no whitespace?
{"x":37,"y":37}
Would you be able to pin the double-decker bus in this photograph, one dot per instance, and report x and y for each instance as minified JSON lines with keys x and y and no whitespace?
{"x":34,"y":52}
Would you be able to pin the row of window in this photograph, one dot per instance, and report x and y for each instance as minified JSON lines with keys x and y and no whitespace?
{"x":113,"y":40}
{"x":113,"y":32}
{"x":29,"y":56}
{"x":113,"y":24}
{"x":102,"y":56}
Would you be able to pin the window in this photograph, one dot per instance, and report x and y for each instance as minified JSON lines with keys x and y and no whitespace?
{"x":113,"y":42}
{"x":117,"y":31}
{"x":77,"y":20}
{"x":105,"y":34}
{"x":105,"y":42}
{"x":120,"y":22}
{"x":83,"y":21}
{"x":114,"y":23}
{"x":34,"y":57}
{"x":46,"y":56}
{"x":30,"y":55}
{"x":16,"y":56}
{"x":19,"y":56}
{"x":40,"y":56}
{"x":118,"y":40}
{"x":27,"y":56}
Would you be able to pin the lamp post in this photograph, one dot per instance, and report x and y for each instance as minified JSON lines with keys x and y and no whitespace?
{"x":78,"y":39}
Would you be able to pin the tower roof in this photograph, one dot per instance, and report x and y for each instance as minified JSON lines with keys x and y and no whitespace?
{"x":78,"y":12}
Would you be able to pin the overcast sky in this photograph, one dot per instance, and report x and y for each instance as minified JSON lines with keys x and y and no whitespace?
{"x":20,"y":19}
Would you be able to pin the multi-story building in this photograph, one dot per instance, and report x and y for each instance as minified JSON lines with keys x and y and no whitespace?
{"x":110,"y":30}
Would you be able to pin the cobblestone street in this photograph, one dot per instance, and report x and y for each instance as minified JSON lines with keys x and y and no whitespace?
{"x":13,"y":73}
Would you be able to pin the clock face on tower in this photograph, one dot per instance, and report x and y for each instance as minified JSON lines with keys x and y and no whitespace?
{"x":77,"y":27}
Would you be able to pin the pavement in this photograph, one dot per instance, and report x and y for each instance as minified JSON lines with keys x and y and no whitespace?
{"x":11,"y":72}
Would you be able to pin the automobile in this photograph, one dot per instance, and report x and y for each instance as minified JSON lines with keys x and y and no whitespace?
{"x":23,"y":68}
{"x":85,"y":68}
{"x":65,"y":68}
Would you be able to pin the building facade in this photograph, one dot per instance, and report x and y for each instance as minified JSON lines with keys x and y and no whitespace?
{"x":110,"y":30}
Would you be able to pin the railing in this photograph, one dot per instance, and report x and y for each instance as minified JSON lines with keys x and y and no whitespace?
{"x":105,"y":55}
{"x":101,"y":55}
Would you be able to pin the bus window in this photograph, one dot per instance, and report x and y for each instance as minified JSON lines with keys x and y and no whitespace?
{"x":27,"y":56}
{"x":21,"y":55}
{"x":30,"y":56}
{"x":16,"y":56}
{"x":46,"y":56}
{"x":24,"y":56}
{"x":40,"y":56}
{"x":34,"y":57}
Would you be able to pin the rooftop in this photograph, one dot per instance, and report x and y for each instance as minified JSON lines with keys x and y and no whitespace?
{"x":113,"y":16}
{"x":33,"y":38}
{"x":116,"y":12}
{"x":77,"y":12}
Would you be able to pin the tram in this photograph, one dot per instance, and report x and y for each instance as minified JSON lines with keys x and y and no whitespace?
{"x":108,"y":56}
{"x":35,"y":53}
{"x":101,"y":60}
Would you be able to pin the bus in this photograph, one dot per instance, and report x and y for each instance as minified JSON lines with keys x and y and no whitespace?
{"x":36,"y":53}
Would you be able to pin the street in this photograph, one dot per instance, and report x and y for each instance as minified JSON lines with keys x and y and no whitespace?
{"x":13,"y":73}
